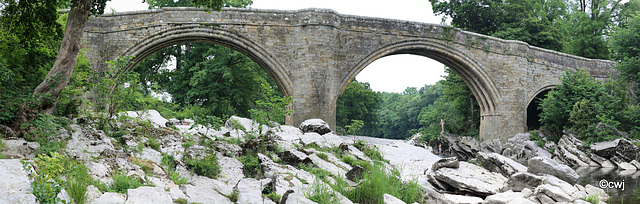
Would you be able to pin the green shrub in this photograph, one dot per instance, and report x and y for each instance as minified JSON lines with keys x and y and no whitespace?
{"x":122,"y":182}
{"x":322,"y":156}
{"x":595,"y":199}
{"x":273,"y":196}
{"x":234,"y":195}
{"x":321,"y":194}
{"x":76,"y":186}
{"x":207,"y":166}
{"x":378,"y":182}
{"x":153,"y":143}
{"x":181,"y":201}
{"x":251,"y":163}
{"x":41,"y":130}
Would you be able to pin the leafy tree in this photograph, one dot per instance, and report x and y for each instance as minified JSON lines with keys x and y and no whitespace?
{"x":588,"y":25}
{"x":581,"y":103}
{"x":531,"y":21}
{"x":457,"y":107}
{"x":358,"y":102}
{"x":49,"y":89}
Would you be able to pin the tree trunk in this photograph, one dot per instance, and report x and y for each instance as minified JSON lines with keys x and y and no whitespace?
{"x":48,"y":91}
{"x":59,"y":75}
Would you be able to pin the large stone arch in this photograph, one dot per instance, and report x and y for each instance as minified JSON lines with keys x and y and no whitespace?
{"x":211,"y":34}
{"x":478,"y":81}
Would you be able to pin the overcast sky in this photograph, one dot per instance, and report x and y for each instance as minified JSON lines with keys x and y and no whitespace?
{"x":391,"y":73}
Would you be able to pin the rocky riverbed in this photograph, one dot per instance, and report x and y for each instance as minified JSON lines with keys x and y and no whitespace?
{"x":293,"y":162}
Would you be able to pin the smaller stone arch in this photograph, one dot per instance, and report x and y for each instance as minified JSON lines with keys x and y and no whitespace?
{"x":531,"y":109}
{"x":478,"y":80}
{"x":179,"y":34}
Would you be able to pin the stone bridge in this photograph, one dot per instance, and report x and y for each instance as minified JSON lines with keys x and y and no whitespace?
{"x":313,"y":54}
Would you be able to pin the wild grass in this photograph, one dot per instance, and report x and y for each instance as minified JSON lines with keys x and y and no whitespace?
{"x":122,"y":182}
{"x":207,"y":166}
{"x":380,"y":181}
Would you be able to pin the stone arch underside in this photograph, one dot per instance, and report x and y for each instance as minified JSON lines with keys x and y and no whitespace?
{"x":483,"y":89}
{"x":532,"y":106}
{"x":208,"y":34}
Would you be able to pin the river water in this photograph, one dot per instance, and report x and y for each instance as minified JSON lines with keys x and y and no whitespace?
{"x":613,"y":178}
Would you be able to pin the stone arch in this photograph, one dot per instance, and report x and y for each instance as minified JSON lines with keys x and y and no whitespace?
{"x":211,"y":34}
{"x":531,"y":109}
{"x":477,"y":79}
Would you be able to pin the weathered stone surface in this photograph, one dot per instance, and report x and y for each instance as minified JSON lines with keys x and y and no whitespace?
{"x":356,"y":173}
{"x":464,"y":148}
{"x":250,"y":190}
{"x":508,"y":197}
{"x":592,"y":190}
{"x":328,"y":166}
{"x":620,"y":147}
{"x":298,"y":198}
{"x":543,"y":165}
{"x":19,"y":149}
{"x":15,"y":186}
{"x":461,"y":199}
{"x":110,"y":198}
{"x":450,"y":162}
{"x":545,"y":191}
{"x":293,"y":157}
{"x":521,"y":149}
{"x":497,"y":163}
{"x":152,"y":116}
{"x":240,"y":123}
{"x":300,"y":67}
{"x":283,"y":183}
{"x":389,"y":199}
{"x":472,"y":179}
{"x":570,"y":151}
{"x":286,"y":136}
{"x":604,"y":163}
{"x":621,"y":164}
{"x":522,"y":180}
{"x":202,"y":194}
{"x":432,"y":196}
{"x":146,"y":194}
{"x":315,"y":125}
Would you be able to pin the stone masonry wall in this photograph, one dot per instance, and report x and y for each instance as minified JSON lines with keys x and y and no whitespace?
{"x":313,"y":54}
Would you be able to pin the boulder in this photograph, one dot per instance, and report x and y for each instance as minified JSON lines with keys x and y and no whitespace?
{"x":110,"y":198}
{"x":298,"y":198}
{"x":204,"y":194}
{"x":250,"y":190}
{"x":569,"y":151}
{"x":545,"y":192}
{"x":489,"y":146}
{"x":497,"y":163}
{"x":431,"y":196}
{"x":356,"y":173}
{"x":389,"y":199}
{"x":328,"y":166}
{"x":521,"y":149}
{"x":152,"y":116}
{"x":621,"y":147}
{"x":19,"y":149}
{"x":15,"y":186}
{"x":621,"y":164}
{"x":464,"y":148}
{"x":508,"y":197}
{"x":228,"y":149}
{"x":315,"y":125}
{"x":270,"y":168}
{"x":592,"y":190}
{"x":231,"y":170}
{"x":286,"y":136}
{"x":293,"y":157}
{"x":450,"y":162}
{"x":240,"y":123}
{"x":463,"y":199}
{"x":543,"y":165}
{"x":148,"y":195}
{"x":472,"y":179}
{"x":522,"y":180}
{"x":604,"y":163}
{"x":283,"y":183}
